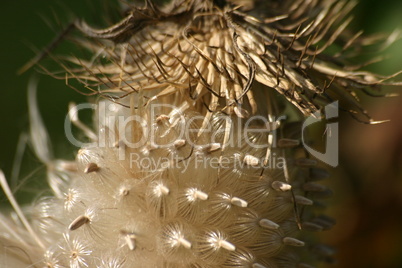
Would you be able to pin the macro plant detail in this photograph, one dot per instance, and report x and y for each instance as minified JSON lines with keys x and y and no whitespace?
{"x":195,"y":158}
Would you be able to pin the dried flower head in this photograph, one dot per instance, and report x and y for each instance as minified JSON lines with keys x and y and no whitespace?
{"x":190,"y":163}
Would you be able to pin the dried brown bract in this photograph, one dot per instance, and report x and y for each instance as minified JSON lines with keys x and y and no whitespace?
{"x":214,"y":53}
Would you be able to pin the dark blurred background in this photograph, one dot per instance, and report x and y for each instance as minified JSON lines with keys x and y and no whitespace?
{"x":367,"y":201}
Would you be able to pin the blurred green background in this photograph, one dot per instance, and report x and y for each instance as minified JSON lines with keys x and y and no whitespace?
{"x":368,"y":185}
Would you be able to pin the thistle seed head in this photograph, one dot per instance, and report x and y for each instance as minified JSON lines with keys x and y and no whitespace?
{"x":175,"y":174}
